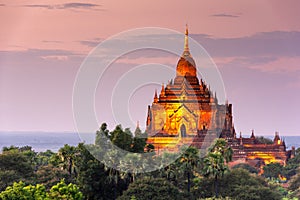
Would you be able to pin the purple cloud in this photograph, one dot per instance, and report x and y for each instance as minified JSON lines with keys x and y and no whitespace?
{"x":254,"y":51}
{"x":225,"y":15}
{"x":89,"y":43}
{"x":277,"y":43}
{"x":37,"y":57}
{"x":79,"y":5}
{"x":52,"y":41}
{"x":264,"y":44}
{"x":65,"y":6}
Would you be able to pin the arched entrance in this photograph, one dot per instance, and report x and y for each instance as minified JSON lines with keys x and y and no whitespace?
{"x":182,"y":131}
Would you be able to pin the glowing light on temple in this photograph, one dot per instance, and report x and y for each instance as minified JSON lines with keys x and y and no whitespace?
{"x":186,"y":111}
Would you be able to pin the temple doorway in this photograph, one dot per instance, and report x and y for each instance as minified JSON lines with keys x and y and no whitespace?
{"x":183,"y":131}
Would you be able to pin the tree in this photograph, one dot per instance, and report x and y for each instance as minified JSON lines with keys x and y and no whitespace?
{"x":21,"y":191}
{"x":94,"y":179}
{"x":44,"y":158}
{"x":168,"y":168}
{"x":272,"y":170}
{"x":255,"y":193}
{"x":246,"y":167}
{"x":264,"y":140}
{"x":122,"y":139}
{"x":189,"y":159}
{"x":101,"y":134}
{"x":291,"y":168}
{"x":113,"y":176}
{"x":154,"y":189}
{"x":62,"y":191}
{"x":128,"y":167}
{"x":14,"y":166}
{"x":139,"y":141}
{"x":294,"y":183}
{"x":49,"y":175}
{"x":215,"y":163}
{"x":66,"y":156}
{"x":239,"y":184}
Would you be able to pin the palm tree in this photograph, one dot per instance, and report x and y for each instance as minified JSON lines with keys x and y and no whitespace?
{"x":113,"y":178}
{"x":215,"y":163}
{"x":111,"y":163}
{"x":131,"y":166}
{"x":189,"y":160}
{"x":168,"y":167}
{"x":67,"y":155}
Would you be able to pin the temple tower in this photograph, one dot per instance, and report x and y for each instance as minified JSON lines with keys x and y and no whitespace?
{"x":185,"y":107}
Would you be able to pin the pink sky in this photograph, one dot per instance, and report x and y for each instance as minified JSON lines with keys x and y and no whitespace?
{"x":255,"y":45}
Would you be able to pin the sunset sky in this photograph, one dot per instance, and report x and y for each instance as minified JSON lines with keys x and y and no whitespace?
{"x":255,"y":45}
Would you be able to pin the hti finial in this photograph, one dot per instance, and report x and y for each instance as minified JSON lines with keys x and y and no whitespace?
{"x":186,"y":29}
{"x":186,"y":41}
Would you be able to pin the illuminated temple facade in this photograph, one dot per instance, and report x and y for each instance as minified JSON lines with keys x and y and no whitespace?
{"x":186,"y":111}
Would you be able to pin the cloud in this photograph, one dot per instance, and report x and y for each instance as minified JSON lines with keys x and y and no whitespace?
{"x":265,"y":52}
{"x":52,"y":41}
{"x":61,"y":58}
{"x":49,"y":52}
{"x":73,"y":5}
{"x":268,"y":52}
{"x":79,"y":5}
{"x":225,"y":15}
{"x":2,"y":4}
{"x":39,"y":6}
{"x":91,"y":43}
{"x":243,"y":61}
{"x":280,"y":65}
{"x":36,"y":57}
{"x":277,"y":43}
{"x":165,"y":60}
{"x":265,"y":45}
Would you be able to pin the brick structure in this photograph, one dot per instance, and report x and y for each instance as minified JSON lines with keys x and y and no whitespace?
{"x":187,"y":112}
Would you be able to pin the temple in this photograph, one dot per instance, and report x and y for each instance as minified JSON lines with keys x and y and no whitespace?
{"x":186,"y":111}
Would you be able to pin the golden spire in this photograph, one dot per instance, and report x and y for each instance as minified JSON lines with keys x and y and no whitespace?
{"x":155,"y":97}
{"x":241,"y":139}
{"x":162,"y":92}
{"x":186,"y":40}
{"x":186,"y":29}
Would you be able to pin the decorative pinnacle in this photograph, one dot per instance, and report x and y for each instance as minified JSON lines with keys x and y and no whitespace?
{"x":186,"y":40}
{"x":186,"y":30}
{"x":155,"y":97}
{"x":162,"y":89}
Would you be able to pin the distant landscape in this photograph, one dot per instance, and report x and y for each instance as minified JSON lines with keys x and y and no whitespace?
{"x":42,"y":141}
{"x":70,"y":171}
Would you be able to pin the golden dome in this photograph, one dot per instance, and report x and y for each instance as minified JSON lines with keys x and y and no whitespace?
{"x":186,"y":65}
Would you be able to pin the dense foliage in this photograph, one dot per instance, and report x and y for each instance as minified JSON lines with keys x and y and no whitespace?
{"x":239,"y":184}
{"x":152,"y":188}
{"x":60,"y":191}
{"x":74,"y":173}
{"x":264,"y":140}
{"x":246,"y":167}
